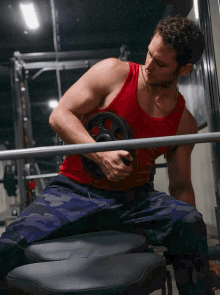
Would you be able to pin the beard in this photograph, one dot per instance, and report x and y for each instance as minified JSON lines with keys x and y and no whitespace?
{"x":172,"y":79}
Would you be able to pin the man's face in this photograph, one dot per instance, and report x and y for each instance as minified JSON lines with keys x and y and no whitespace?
{"x":160,"y":65}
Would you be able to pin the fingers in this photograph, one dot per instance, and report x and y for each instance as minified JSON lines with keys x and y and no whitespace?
{"x":114,"y":166}
{"x":116,"y":178}
{"x":126,"y":155}
{"x":129,"y":157}
{"x":126,"y":159}
{"x":117,"y":175}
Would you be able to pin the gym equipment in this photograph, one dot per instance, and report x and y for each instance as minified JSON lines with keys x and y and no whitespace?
{"x":79,"y":275}
{"x":103,"y":127}
{"x":93,"y":263}
{"x":9,"y":181}
{"x":72,"y":149}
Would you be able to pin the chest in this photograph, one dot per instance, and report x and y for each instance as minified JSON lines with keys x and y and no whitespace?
{"x":150,"y":107}
{"x":154,"y":106}
{"x":140,"y":100}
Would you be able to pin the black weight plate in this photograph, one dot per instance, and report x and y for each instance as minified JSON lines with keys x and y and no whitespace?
{"x":118,"y":129}
{"x":10,"y":182}
{"x":102,"y":127}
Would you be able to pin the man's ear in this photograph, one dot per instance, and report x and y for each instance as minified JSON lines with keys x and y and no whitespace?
{"x":186,"y":69}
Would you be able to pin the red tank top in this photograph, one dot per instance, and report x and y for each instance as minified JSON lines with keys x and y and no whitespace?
{"x":142,"y":125}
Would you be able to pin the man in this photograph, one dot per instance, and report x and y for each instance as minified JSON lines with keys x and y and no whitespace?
{"x":157,"y":96}
{"x":146,"y":96}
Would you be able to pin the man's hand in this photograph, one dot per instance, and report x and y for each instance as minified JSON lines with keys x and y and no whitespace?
{"x":112,"y":164}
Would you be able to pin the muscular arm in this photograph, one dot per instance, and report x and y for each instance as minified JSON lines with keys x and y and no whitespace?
{"x":179,"y":164}
{"x":82,"y":98}
{"x":90,"y":91}
{"x":179,"y":170}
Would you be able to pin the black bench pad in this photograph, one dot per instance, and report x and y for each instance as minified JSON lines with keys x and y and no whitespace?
{"x":137,"y":273}
{"x":93,"y":244}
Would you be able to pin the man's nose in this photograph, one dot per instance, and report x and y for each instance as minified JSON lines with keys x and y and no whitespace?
{"x":150,"y":65}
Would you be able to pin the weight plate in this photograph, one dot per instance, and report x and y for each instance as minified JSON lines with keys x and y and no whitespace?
{"x":102,"y":127}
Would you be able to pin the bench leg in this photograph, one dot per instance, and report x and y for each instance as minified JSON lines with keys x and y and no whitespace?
{"x":169,"y":285}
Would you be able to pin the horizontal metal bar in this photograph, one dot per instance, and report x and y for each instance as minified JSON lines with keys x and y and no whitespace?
{"x":62,"y":65}
{"x":110,"y":146}
{"x":96,"y":53}
{"x":39,"y":176}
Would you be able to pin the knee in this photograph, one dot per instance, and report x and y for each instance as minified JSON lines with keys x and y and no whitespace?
{"x":193,"y":221}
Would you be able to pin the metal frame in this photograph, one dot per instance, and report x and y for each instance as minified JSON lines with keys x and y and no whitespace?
{"x":18,"y":129}
{"x":212,"y":95}
{"x":56,"y":40}
{"x":62,"y":65}
{"x":80,"y":54}
{"x":21,"y":64}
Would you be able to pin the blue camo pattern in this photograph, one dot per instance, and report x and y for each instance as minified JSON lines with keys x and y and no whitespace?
{"x":66,"y":208}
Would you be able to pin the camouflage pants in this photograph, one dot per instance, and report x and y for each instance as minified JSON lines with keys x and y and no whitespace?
{"x":66,"y":208}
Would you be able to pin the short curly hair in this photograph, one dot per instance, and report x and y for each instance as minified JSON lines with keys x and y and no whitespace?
{"x":182,"y":35}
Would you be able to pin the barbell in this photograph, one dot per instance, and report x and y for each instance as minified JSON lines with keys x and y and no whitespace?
{"x":86,"y":148}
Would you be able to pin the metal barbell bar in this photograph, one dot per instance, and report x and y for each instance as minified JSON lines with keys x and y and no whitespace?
{"x":86,"y":148}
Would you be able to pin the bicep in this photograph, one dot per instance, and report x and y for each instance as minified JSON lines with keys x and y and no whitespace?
{"x":83,"y":96}
{"x":88,"y":92}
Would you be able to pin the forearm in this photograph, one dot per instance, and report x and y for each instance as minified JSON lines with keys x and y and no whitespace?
{"x":185,"y":194}
{"x":70,"y":129}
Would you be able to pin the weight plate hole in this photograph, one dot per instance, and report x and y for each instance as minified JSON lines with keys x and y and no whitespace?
{"x":107,"y":124}
{"x":95,"y":130}
{"x":119,"y":135}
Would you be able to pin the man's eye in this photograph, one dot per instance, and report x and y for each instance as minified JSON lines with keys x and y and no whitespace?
{"x":162,"y":66}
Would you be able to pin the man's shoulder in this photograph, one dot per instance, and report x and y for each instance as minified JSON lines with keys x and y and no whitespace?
{"x":111,"y":70}
{"x":114,"y":64}
{"x":187,"y":123}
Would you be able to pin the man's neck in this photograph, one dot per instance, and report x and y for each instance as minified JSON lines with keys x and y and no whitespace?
{"x":161,"y":92}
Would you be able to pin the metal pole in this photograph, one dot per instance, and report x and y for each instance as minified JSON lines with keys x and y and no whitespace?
{"x":80,"y":54}
{"x":110,"y":146}
{"x":18,"y":128}
{"x":56,"y":42}
{"x":40,"y":176}
{"x":62,"y":65}
{"x":212,"y":96}
{"x":28,"y":111}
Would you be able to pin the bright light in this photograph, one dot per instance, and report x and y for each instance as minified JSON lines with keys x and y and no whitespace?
{"x":196,"y":9}
{"x":53,"y":103}
{"x":30,"y":15}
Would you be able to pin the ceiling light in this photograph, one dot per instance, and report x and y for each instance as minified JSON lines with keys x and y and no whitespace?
{"x":53,"y":103}
{"x":30,"y":15}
